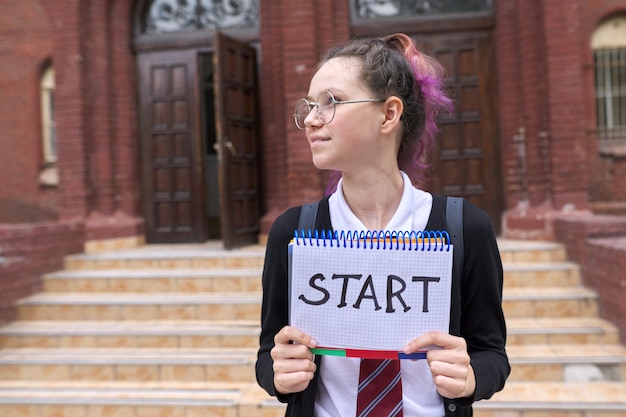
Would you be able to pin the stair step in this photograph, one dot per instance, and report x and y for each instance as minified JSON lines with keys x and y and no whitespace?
{"x":530,"y":251}
{"x":162,"y":306}
{"x":525,"y":399}
{"x":108,"y":398}
{"x":127,"y":334}
{"x":235,"y":365}
{"x":154,"y":281}
{"x":568,"y":363}
{"x":114,"y":398}
{"x":549,"y":302}
{"x":541,"y":274}
{"x":583,"y":330}
{"x":170,"y":257}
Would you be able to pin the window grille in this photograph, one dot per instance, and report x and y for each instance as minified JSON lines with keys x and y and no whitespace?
{"x":170,"y":16}
{"x":610,"y":74}
{"x":373,"y":9}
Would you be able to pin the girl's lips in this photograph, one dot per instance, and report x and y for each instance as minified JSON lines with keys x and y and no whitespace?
{"x":314,"y":139}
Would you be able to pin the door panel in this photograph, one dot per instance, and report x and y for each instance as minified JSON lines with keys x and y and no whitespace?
{"x":466,"y":159}
{"x":170,"y":147}
{"x":237,"y":134}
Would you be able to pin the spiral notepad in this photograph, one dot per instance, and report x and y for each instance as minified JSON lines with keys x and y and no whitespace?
{"x":367,"y":294}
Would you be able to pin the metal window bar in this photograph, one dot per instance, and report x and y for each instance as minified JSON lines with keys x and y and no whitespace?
{"x":610,"y":72}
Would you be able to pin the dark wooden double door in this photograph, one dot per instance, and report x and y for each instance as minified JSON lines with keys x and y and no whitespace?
{"x":199,"y":137}
{"x":466,"y":159}
{"x":199,"y":144}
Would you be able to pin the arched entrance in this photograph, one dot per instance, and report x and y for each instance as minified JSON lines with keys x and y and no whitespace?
{"x":198,"y":122}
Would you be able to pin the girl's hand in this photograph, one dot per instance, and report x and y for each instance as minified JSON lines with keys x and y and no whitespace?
{"x":452,"y":373}
{"x":294,"y":367}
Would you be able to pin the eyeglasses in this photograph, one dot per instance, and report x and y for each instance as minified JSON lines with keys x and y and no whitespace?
{"x":325,"y":107}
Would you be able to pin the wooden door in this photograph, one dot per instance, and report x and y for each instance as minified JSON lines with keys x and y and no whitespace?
{"x":237,"y":141}
{"x":466,"y":160}
{"x":171,"y":150}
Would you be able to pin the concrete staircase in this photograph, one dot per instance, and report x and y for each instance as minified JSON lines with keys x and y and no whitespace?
{"x":173,"y":331}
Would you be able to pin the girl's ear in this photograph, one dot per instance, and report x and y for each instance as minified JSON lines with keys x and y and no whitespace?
{"x":393,"y":108}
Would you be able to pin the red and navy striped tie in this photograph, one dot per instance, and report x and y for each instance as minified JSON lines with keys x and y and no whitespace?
{"x":380,"y":388}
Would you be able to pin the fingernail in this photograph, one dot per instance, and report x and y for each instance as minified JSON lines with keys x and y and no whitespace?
{"x":313,"y":342}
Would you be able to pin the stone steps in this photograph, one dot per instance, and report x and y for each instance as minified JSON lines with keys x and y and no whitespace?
{"x":173,"y":330}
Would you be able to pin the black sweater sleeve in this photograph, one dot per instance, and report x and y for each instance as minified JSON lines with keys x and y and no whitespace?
{"x":275,"y":307}
{"x":482,"y":319}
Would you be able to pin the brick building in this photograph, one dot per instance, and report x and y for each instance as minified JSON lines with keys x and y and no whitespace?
{"x":129,"y":121}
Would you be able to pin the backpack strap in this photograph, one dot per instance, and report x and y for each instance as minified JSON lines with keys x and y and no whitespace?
{"x":308,"y":215}
{"x":454,"y":226}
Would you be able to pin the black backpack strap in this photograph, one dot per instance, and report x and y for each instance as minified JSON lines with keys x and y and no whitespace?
{"x":308,"y":216}
{"x":454,"y":226}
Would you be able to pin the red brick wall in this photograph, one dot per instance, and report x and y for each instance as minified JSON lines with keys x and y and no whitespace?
{"x":550,"y":156}
{"x":29,"y":251}
{"x":25,"y":47}
{"x":598,"y":244}
{"x":604,"y":272}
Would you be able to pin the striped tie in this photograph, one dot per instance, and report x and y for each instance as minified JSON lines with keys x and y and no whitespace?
{"x":380,"y":388}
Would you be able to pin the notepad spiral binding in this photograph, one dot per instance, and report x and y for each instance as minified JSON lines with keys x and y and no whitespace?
{"x":423,"y":240}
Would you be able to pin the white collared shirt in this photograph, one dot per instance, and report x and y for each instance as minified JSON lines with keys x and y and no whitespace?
{"x":339,"y":376}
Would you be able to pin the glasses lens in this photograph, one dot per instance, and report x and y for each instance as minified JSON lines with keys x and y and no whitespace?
{"x":301,"y":112}
{"x":326,"y":107}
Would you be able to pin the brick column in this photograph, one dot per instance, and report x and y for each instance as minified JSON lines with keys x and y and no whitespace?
{"x":96,"y":117}
{"x":113,"y":210}
{"x":68,"y":60}
{"x":293,"y":35}
{"x":542,"y":100}
{"x":566,"y":101}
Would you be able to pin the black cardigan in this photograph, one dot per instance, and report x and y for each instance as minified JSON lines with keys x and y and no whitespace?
{"x":476,"y":305}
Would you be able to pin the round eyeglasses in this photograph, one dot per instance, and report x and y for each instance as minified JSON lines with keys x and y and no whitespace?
{"x":324,"y":106}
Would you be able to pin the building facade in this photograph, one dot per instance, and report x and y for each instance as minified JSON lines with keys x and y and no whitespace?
{"x":168,"y":121}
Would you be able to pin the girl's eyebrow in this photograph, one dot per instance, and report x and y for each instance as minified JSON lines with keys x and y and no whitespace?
{"x":335,"y":91}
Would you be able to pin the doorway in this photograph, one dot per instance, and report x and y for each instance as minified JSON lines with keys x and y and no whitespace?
{"x":209,"y":140}
{"x":199,"y":143}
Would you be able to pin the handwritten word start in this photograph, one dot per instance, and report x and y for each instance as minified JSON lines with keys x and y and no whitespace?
{"x":367,"y":291}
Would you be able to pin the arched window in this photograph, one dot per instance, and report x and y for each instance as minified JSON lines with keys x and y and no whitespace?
{"x":170,"y":16}
{"x":609,"y":50}
{"x":48,"y":124}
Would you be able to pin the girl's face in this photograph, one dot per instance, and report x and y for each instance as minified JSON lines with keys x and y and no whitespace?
{"x":351,"y":141}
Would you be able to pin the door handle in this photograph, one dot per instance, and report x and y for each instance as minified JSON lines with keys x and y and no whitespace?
{"x":229,"y":145}
{"x":231,"y":148}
